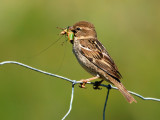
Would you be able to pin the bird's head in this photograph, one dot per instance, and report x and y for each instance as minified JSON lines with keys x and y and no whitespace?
{"x":80,"y":30}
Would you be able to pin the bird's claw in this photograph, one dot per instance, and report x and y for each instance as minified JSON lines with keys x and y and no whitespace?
{"x":82,"y":85}
{"x":96,"y":85}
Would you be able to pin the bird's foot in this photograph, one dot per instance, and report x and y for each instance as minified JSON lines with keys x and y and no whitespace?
{"x":82,"y":85}
{"x":97,"y":84}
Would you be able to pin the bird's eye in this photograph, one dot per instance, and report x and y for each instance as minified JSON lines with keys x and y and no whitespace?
{"x":78,"y":28}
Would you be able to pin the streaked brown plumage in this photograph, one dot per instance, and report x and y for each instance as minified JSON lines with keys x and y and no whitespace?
{"x":94,"y":58}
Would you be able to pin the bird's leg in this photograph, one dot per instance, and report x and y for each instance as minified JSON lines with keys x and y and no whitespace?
{"x":87,"y":80}
{"x":96,"y":85}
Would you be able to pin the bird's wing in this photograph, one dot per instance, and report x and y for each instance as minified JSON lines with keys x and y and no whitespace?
{"x":95,"y":52}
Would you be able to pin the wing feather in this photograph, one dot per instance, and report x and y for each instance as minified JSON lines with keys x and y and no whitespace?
{"x":95,"y":52}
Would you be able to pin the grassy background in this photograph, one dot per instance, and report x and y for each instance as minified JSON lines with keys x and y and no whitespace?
{"x":130,"y":30}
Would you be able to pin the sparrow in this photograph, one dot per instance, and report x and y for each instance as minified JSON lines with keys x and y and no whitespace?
{"x":93,"y":56}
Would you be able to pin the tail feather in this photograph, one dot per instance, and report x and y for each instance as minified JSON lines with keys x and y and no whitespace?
{"x":124,"y":91}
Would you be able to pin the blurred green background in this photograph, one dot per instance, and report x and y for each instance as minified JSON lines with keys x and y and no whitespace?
{"x":130,"y":30}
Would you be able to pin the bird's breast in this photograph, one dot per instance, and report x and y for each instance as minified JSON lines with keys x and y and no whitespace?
{"x":83,"y":61}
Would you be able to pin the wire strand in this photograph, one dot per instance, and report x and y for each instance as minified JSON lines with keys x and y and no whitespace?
{"x":73,"y":81}
{"x":105,"y":104}
{"x":77,"y":82}
{"x":70,"y":108}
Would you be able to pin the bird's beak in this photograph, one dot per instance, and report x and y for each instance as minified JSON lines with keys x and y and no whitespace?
{"x":71,"y":28}
{"x":69,"y":32}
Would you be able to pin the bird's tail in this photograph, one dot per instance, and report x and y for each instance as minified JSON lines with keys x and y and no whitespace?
{"x":124,"y":91}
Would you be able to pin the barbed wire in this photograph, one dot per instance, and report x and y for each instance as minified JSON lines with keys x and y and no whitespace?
{"x":74,"y":82}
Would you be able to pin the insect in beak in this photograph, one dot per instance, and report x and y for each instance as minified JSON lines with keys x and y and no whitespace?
{"x":67,"y":31}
